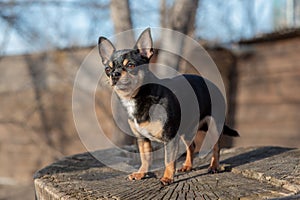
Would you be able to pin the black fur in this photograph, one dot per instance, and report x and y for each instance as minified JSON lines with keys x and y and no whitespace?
{"x":153,"y":94}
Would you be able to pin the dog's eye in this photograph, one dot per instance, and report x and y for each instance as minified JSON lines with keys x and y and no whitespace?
{"x":107,"y":71}
{"x":130,"y":66}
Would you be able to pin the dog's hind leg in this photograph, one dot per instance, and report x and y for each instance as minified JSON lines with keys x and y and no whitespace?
{"x":211,"y":141}
{"x":213,"y":131}
{"x":190,"y":148}
{"x":171,"y":150}
{"x":214,"y":162}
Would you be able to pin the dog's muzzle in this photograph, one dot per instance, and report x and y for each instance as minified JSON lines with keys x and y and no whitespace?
{"x":115,"y":76}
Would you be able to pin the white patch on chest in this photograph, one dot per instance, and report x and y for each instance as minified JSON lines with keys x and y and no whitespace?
{"x":129,"y":104}
{"x":152,"y":129}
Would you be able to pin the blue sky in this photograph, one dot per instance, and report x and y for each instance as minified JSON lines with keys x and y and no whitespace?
{"x":64,"y":26}
{"x":228,"y":21}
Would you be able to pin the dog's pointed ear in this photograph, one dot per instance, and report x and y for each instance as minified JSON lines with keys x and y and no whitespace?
{"x":144,"y":44}
{"x":106,"y":49}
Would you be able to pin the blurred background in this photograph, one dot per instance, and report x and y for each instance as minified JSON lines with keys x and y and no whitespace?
{"x":255,"y":44}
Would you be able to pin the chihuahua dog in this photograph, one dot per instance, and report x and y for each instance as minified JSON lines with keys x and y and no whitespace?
{"x":141,"y":93}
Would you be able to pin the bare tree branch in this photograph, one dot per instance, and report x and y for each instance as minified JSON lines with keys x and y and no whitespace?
{"x":182,"y":19}
{"x":121,"y":17}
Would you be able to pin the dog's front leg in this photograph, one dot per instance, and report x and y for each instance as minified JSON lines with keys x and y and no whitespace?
{"x":171,"y":149}
{"x":145,"y":154}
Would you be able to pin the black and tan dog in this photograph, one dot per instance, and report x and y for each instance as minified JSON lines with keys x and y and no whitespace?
{"x":154,"y":109}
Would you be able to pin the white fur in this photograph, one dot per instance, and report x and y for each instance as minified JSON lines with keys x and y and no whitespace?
{"x":130,"y":106}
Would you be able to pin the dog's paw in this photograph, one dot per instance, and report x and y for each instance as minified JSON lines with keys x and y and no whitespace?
{"x":213,"y":170}
{"x":136,"y":176}
{"x":166,"y":181}
{"x":185,"y":168}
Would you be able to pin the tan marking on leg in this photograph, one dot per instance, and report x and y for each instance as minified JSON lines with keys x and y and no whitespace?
{"x":145,"y":154}
{"x":145,"y":149}
{"x":199,"y":140}
{"x":213,"y":135}
{"x":168,"y":174}
{"x":188,"y":164}
{"x":171,"y":150}
{"x":189,"y":156}
{"x":214,"y":163}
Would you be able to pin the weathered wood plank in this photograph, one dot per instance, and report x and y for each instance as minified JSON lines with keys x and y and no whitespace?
{"x":82,"y":177}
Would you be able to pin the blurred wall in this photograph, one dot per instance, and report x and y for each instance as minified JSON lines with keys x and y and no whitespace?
{"x":36,"y":125}
{"x":268,"y":95}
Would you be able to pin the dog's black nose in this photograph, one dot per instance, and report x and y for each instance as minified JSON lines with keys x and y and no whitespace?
{"x":115,"y":76}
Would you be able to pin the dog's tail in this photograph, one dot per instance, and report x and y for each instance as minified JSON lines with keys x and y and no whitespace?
{"x":230,"y":132}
